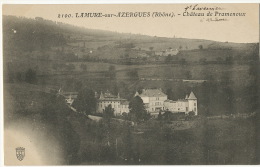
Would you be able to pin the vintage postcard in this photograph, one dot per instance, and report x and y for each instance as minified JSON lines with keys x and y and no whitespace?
{"x":131,"y":84}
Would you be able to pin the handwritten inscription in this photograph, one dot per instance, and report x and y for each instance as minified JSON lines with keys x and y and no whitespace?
{"x":202,"y":8}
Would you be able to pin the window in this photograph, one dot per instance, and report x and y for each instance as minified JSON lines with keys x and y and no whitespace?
{"x":195,"y":109}
{"x":186,"y":108}
{"x":157,"y":98}
{"x":194,"y":104}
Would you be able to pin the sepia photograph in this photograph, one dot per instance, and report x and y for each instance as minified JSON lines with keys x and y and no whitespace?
{"x":131,"y":84}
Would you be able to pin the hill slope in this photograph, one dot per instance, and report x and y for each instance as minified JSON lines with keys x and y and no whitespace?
{"x":37,"y":43}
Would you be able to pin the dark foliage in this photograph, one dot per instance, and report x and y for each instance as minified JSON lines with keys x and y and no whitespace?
{"x":86,"y":101}
{"x":137,"y":110}
{"x":108,"y":113}
{"x":133,"y":74}
{"x":111,"y":73}
{"x":30,"y":76}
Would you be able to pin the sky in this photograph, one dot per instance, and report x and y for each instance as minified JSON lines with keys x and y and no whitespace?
{"x":240,"y":29}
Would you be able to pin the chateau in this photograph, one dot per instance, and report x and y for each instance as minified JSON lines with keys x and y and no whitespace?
{"x":183,"y":105}
{"x":69,"y":96}
{"x":154,"y":100}
{"x":118,"y":104}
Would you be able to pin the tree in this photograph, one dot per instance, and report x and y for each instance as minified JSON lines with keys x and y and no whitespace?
{"x":19,"y":76}
{"x":169,"y":93}
{"x":151,"y":48}
{"x":133,"y":74}
{"x":168,"y":59}
{"x":167,"y":115}
{"x":114,"y":88}
{"x":182,"y":61}
{"x":203,"y":61}
{"x":112,"y":72}
{"x":70,"y":67}
{"x":54,"y":118}
{"x":30,"y":76}
{"x":160,"y":116}
{"x":128,"y":143}
{"x":86,"y":101}
{"x":200,"y":47}
{"x":137,"y":110}
{"x":188,"y":75}
{"x":10,"y":73}
{"x":219,"y":59}
{"x":78,"y":85}
{"x":144,"y":58}
{"x":108,"y":112}
{"x":191,"y":113}
{"x":83,"y":67}
{"x":229,"y":60}
{"x":54,"y":66}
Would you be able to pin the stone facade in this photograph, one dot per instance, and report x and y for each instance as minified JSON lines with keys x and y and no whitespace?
{"x":118,"y":104}
{"x":155,"y":100}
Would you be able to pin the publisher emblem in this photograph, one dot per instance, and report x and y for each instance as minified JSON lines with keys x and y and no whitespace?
{"x":20,"y":153}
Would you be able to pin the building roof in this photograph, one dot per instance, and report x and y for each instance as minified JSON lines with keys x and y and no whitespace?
{"x":110,"y":99}
{"x":152,"y":93}
{"x":107,"y":96}
{"x":71,"y":96}
{"x":182,"y":100}
{"x":192,"y":96}
{"x":69,"y":93}
{"x":125,"y":102}
{"x":170,"y":101}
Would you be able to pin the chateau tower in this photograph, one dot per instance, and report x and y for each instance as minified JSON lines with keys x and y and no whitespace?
{"x":192,"y":103}
{"x":101,"y":95}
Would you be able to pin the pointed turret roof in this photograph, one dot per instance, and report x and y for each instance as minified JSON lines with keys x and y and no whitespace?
{"x":186,"y":97}
{"x":101,"y":95}
{"x":136,"y":93}
{"x":192,"y":96}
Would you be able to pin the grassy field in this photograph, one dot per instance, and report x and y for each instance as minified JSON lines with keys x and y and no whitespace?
{"x":238,"y":74}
